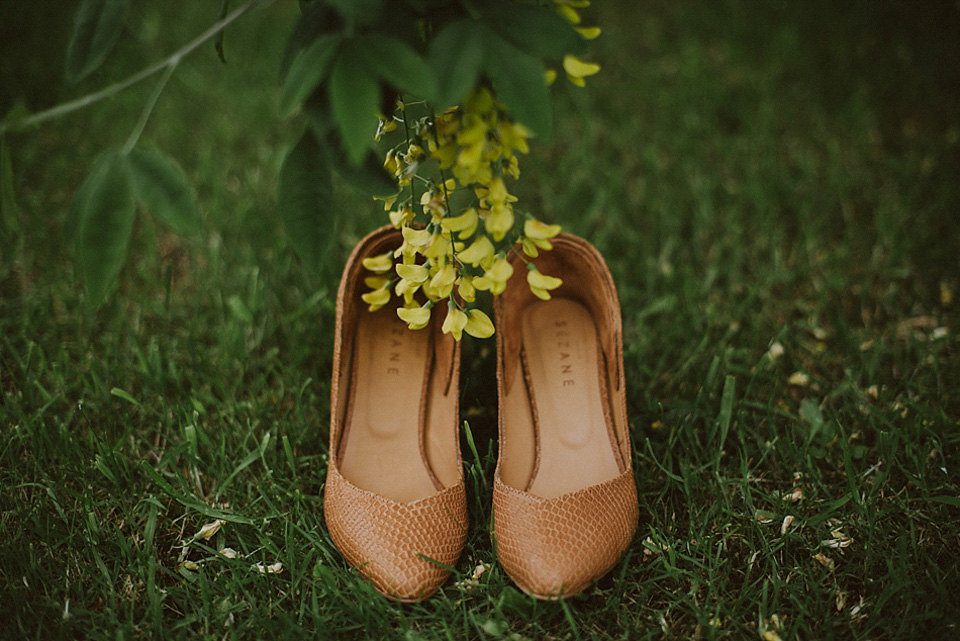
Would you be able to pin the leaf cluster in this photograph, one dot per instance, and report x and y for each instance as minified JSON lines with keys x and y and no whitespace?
{"x":347,"y":63}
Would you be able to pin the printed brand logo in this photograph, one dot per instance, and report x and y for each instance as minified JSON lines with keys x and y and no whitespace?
{"x":562,"y":336}
{"x":395,"y":345}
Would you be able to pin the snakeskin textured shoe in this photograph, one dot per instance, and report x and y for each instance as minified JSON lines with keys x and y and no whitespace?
{"x":564,"y":500}
{"x":394,"y":501}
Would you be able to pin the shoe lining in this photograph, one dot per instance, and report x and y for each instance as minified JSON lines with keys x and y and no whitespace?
{"x":572,"y":422}
{"x":381,"y":449}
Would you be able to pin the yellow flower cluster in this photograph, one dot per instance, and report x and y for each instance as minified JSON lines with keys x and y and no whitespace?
{"x":575,"y":68}
{"x":449,"y":255}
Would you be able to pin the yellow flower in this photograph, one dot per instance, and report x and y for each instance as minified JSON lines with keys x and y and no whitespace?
{"x":466,"y":288}
{"x":478,"y":252}
{"x":438,"y":248}
{"x":589,"y":33}
{"x":498,"y":194}
{"x":479,"y":324}
{"x":541,"y":284}
{"x":577,"y":69}
{"x":454,"y":323}
{"x":495,"y":278}
{"x":513,"y":136}
{"x":416,"y":237}
{"x":442,"y":282}
{"x":445,"y":155}
{"x":379,"y":264}
{"x":550,"y":76}
{"x":569,"y":13}
{"x":537,"y":235}
{"x":465,"y":223}
{"x":415,"y":317}
{"x":479,"y":102}
{"x":499,"y":221}
{"x":513,"y":169}
{"x":400,"y":216}
{"x":376,"y":282}
{"x":377,"y":298}
{"x":413,"y":273}
{"x":536,"y":230}
{"x":406,"y":289}
{"x":388,"y":201}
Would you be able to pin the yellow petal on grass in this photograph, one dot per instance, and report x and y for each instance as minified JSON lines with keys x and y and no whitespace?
{"x":209,"y":529}
{"x":273,"y":568}
{"x":229,"y":553}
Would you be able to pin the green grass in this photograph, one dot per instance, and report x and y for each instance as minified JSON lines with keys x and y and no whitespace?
{"x":756,"y":174}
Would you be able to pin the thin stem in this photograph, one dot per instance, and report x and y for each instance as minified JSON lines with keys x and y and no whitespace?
{"x":148,"y":109}
{"x":172,"y":61}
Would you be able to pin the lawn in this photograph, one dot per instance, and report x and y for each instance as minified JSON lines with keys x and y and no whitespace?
{"x":776,"y":188}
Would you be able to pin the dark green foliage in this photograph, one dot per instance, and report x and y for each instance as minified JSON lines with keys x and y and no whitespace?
{"x":306,"y":201}
{"x":162,"y":189}
{"x":96,"y":27}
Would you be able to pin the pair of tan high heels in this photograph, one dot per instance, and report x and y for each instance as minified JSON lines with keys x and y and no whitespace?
{"x":564,"y":498}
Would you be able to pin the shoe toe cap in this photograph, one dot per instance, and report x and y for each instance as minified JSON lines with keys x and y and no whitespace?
{"x":555,"y":548}
{"x":400,"y":547}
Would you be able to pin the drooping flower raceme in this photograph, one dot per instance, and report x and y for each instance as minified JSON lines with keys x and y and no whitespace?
{"x":454,"y":207}
{"x":458,"y":231}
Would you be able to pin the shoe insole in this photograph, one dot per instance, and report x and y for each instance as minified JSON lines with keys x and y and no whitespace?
{"x":380,"y":450}
{"x":560,"y":346}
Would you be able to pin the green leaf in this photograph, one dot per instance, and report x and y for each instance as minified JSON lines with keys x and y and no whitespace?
{"x":369,"y":177}
{"x":813,"y":417}
{"x":538,"y":30}
{"x":218,"y":40}
{"x":316,"y":20}
{"x":307,"y":71}
{"x":395,"y":62}
{"x":162,"y":189}
{"x":518,"y":80}
{"x":96,"y":27}
{"x":456,"y":55}
{"x":105,"y":224}
{"x":357,"y":12}
{"x":72,"y":224}
{"x":355,"y":101}
{"x":304,"y":196}
{"x":725,"y":417}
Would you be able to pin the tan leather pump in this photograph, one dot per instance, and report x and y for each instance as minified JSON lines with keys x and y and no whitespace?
{"x":564,"y":499}
{"x":395,"y":501}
